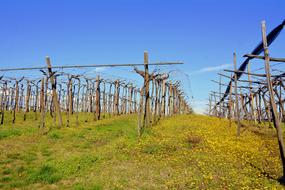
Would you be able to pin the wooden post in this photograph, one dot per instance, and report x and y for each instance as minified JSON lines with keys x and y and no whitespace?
{"x":3,"y":102}
{"x":156,"y":102}
{"x":281,"y":108}
{"x":21,"y":98}
{"x":174,"y":97}
{"x":230,"y":103}
{"x":243,"y":108}
{"x":116,"y":97}
{"x":259,"y":106}
{"x":42,"y":103}
{"x":170,"y":97}
{"x":82,"y":107}
{"x":125,"y":95}
{"x":70,"y":109}
{"x":36,"y":101}
{"x":152,"y":102}
{"x":131,"y":90}
{"x":135,"y":100}
{"x":97,"y":99}
{"x":267,"y":109}
{"x":69,"y":105}
{"x":54,"y":94}
{"x":140,"y":123}
{"x":77,"y":102}
{"x":16,"y":106}
{"x":46,"y":92}
{"x":272,"y":101}
{"x":236,"y":97}
{"x":282,"y":102}
{"x":104,"y":99}
{"x":110,"y":100}
{"x":89,"y":98}
{"x":163,"y":98}
{"x":253,"y":114}
{"x":220,"y":97}
{"x":146,"y":82}
{"x":27,"y":101}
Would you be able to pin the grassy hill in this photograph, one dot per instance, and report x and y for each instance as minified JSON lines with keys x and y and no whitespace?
{"x":182,"y":152}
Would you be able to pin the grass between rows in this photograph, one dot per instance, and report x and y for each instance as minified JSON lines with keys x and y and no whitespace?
{"x":181,"y":152}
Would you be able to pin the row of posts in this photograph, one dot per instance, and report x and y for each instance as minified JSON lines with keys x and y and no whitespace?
{"x":263,"y":103}
{"x":71,"y":94}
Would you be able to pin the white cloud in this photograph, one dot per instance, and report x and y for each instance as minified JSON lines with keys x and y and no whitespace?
{"x":100,"y":69}
{"x":213,"y":68}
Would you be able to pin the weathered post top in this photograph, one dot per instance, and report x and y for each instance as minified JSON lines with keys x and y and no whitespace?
{"x":145,"y":57}
{"x":48,"y":62}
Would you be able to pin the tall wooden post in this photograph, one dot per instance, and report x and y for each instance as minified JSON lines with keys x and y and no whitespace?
{"x":272,"y":101}
{"x":54,"y":94}
{"x":236,"y":97}
{"x":146,"y":81}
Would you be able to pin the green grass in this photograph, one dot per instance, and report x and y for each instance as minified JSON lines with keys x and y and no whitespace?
{"x":45,"y":174}
{"x":182,"y":152}
{"x":9,"y":133}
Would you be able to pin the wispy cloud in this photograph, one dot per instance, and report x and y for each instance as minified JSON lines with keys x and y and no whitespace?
{"x":212,"y":69}
{"x":200,"y":106}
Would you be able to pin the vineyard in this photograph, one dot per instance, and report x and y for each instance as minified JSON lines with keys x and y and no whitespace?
{"x":58,"y":92}
{"x":71,"y":126}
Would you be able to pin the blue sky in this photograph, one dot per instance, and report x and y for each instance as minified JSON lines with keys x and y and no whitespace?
{"x":201,"y":33}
